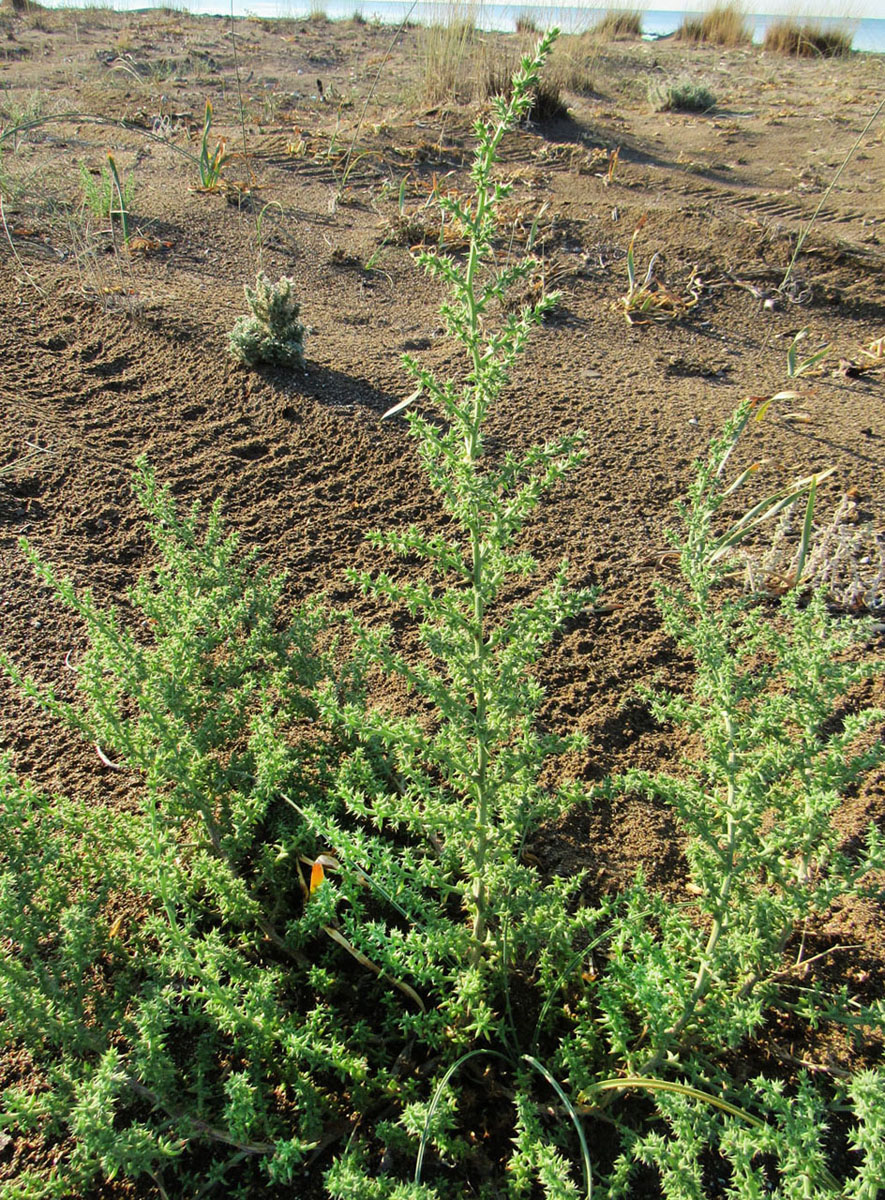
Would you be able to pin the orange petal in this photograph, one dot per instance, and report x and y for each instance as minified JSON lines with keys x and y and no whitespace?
{"x":317,"y":875}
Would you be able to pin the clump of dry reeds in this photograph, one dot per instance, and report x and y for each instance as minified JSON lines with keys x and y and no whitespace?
{"x":723,"y":25}
{"x":449,"y":51}
{"x":525,"y":25}
{"x":571,"y":65}
{"x":619,"y":24}
{"x":806,"y":41}
{"x":846,"y":558}
{"x":495,"y":79}
{"x":462,"y":65}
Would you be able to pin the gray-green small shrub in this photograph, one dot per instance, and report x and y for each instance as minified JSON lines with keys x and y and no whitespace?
{"x":272,"y":335}
{"x":681,"y":95}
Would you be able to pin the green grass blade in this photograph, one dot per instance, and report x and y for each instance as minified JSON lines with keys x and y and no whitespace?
{"x":741,"y":479}
{"x":791,"y":353}
{"x":806,"y":530}
{"x":650,"y":1084}
{"x":121,"y":210}
{"x":764,"y":407}
{"x":578,"y":958}
{"x":576,"y":1120}
{"x":205,"y":166}
{"x":533,"y":233}
{"x":764,"y":511}
{"x":437,"y":1096}
{"x":739,"y":428}
{"x":794,"y":367}
{"x":631,"y":267}
{"x":391,"y":412}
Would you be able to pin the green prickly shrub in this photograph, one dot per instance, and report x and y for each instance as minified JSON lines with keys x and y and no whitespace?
{"x":684,"y":985}
{"x":314,"y":943}
{"x":148,"y":963}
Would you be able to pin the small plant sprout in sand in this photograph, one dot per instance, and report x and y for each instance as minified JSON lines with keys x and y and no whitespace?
{"x":797,"y":366}
{"x":211,"y":162}
{"x":272,"y":335}
{"x":108,"y":195}
{"x":648,"y":299}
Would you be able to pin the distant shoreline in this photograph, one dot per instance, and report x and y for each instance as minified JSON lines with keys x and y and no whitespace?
{"x":868,"y":33}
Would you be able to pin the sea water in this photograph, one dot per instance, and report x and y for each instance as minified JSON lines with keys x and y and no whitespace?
{"x":868,"y":34}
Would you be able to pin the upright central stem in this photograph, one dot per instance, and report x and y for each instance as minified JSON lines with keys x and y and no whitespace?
{"x":476,"y":414}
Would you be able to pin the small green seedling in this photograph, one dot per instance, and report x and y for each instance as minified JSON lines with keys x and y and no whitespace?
{"x":648,"y":299}
{"x":211,"y":162}
{"x":122,"y":200}
{"x":794,"y":366}
{"x":108,"y":195}
{"x":770,"y":506}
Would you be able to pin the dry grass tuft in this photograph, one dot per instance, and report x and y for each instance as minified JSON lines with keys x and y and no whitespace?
{"x":847,"y":558}
{"x":723,"y":25}
{"x":806,"y":41}
{"x":449,"y":52}
{"x":619,"y":24}
{"x":548,"y":105}
{"x":525,"y":25}
{"x":573,"y":61}
{"x":463,"y":66}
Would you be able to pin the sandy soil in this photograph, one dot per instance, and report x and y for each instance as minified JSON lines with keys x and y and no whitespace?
{"x":109,"y":353}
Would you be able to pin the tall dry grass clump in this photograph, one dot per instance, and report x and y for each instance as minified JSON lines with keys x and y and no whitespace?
{"x":568,"y":69}
{"x":572,"y":64}
{"x":806,"y":41}
{"x":723,"y":25}
{"x":460,"y":64}
{"x":449,"y":49}
{"x":494,"y":68}
{"x":526,"y":25}
{"x":619,"y":24}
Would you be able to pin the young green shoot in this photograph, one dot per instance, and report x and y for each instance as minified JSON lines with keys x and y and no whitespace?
{"x":648,"y":298}
{"x":122,"y":205}
{"x":211,"y":162}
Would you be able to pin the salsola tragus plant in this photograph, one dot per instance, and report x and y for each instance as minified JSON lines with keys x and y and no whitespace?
{"x":315,"y":938}
{"x":460,"y":778}
{"x":272,"y":334}
{"x":148,"y":963}
{"x":684,"y":986}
